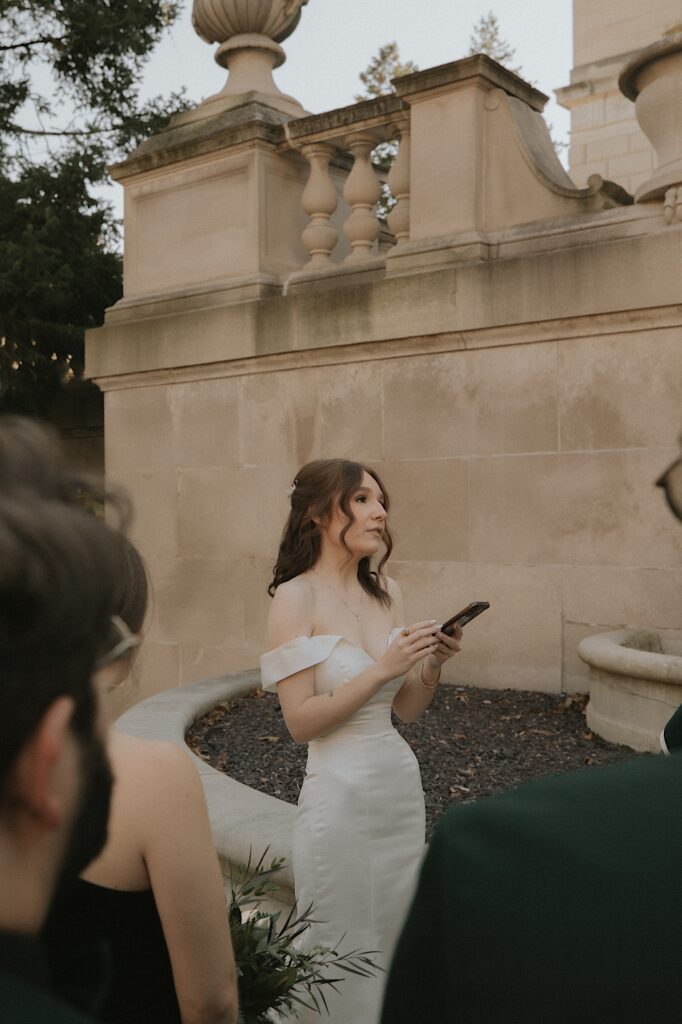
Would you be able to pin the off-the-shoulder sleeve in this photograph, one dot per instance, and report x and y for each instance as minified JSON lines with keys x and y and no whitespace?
{"x":292,"y":657}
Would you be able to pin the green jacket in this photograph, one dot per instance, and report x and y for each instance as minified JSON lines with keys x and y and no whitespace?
{"x":556,"y":903}
{"x":24,"y":996}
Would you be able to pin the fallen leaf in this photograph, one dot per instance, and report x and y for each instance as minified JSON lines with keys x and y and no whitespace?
{"x":270,"y":739}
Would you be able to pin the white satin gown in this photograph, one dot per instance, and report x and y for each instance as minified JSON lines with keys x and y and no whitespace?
{"x":359,"y":830}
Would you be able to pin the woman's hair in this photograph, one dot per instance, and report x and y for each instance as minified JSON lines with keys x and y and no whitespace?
{"x":60,"y":572}
{"x":318,"y":486}
{"x":131,"y":603}
{"x":33,"y":463}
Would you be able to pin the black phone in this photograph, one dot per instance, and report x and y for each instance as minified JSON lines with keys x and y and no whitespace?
{"x":466,"y":615}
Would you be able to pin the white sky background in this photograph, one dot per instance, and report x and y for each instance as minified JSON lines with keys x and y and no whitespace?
{"x":336,"y":39}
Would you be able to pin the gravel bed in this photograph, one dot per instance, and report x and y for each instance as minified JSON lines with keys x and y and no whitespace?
{"x":469,"y":743}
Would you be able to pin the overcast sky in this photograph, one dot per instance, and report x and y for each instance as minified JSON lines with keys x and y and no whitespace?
{"x":336,"y":39}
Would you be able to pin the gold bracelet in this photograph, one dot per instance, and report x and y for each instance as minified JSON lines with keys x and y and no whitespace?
{"x":429,"y":686}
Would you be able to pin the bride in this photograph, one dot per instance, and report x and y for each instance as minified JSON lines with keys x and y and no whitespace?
{"x":341,"y":658}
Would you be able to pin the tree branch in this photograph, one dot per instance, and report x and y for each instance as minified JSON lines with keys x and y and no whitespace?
{"x":19,"y":130}
{"x":26,"y":44}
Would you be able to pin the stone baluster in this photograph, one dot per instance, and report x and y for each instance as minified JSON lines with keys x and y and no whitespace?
{"x":399,"y":184}
{"x":319,"y":201}
{"x":362,"y":192}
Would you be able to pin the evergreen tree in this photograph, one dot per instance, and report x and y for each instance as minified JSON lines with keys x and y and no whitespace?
{"x":486,"y":38}
{"x":70,"y":74}
{"x":376,"y":78}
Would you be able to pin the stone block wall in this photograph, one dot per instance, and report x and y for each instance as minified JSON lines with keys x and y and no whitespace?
{"x":520,"y":463}
{"x":510,"y":365}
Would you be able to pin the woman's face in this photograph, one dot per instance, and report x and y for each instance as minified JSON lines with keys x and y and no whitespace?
{"x":366,"y":529}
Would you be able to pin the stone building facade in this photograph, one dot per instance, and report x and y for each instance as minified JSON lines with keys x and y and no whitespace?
{"x":506,"y":353}
{"x":605,"y":136}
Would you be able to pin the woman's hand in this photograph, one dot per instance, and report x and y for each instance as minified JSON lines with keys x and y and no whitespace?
{"x":411,"y":645}
{"x":447,"y":646}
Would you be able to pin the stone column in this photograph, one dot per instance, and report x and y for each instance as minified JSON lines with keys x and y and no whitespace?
{"x":399,"y":184}
{"x":319,"y":201}
{"x":362,"y":192}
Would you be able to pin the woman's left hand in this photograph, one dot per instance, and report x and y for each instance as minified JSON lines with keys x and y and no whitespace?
{"x":447,"y":647}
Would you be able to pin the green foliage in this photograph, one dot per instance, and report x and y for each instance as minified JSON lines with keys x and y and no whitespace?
{"x":376,"y":81}
{"x":486,"y":38}
{"x":70,"y":74}
{"x":273,"y":974}
{"x":386,"y":65}
{"x":58,"y":272}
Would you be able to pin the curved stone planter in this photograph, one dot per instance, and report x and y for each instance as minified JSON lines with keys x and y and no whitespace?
{"x":635,"y":685}
{"x":241,"y":817}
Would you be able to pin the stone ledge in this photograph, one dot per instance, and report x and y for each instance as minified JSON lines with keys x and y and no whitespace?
{"x":375,"y":114}
{"x":444,"y":76}
{"x":242,"y":819}
{"x":250,"y":123}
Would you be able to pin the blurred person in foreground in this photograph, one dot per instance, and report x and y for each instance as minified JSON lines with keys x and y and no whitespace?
{"x":153,"y":900}
{"x":556,"y":902}
{"x":151,"y":907}
{"x":59,"y":573}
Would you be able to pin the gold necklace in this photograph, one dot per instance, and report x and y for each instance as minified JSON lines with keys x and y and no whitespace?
{"x":355,"y":614}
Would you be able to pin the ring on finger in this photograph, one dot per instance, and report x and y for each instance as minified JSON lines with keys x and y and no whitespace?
{"x":404,"y":632}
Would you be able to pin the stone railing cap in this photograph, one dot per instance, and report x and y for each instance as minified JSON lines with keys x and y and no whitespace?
{"x":366,"y":113}
{"x":247,"y":122}
{"x":477,"y":66}
{"x":627,"y":80}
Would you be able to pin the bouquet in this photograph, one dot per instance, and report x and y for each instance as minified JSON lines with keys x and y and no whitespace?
{"x":274,"y":975}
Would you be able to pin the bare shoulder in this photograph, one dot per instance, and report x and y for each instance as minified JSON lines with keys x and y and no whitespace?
{"x":291,"y":611}
{"x":154,"y":765}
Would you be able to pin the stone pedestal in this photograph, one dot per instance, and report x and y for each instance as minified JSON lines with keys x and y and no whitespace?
{"x":212,"y":207}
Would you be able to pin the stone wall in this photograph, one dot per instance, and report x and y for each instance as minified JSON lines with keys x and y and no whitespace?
{"x":520,"y":457}
{"x":513,"y":372}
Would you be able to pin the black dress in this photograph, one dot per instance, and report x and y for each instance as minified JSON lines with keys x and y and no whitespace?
{"x":119,"y":933}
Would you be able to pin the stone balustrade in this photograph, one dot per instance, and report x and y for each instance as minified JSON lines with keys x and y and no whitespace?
{"x":250,"y":202}
{"x":466,"y":191}
{"x":349,"y":136}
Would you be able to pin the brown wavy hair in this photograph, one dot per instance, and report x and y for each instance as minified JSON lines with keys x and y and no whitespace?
{"x":317,"y":487}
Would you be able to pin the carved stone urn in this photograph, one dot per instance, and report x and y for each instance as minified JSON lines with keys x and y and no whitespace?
{"x":653,"y":79}
{"x":249,"y":33}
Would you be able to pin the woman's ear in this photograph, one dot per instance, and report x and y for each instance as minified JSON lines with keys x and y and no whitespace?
{"x":35,"y":778}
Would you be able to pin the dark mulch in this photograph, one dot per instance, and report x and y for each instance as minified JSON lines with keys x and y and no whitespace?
{"x":470,"y":743}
